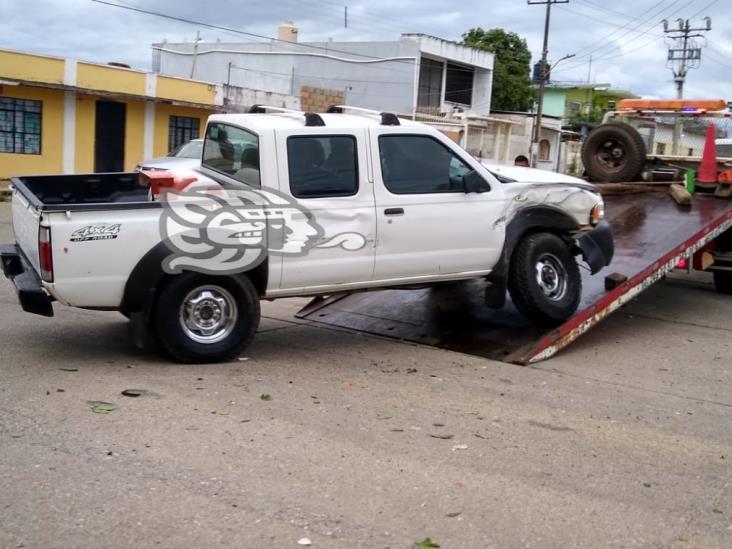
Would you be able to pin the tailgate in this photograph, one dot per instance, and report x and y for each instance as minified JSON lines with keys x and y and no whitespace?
{"x":25,"y":226}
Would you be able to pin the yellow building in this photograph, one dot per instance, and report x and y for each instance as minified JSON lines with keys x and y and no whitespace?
{"x":65,"y":116}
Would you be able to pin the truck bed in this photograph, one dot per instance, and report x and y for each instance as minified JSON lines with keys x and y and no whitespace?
{"x":87,"y":191}
{"x":651,"y":234}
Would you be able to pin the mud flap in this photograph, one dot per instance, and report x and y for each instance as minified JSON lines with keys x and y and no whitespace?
{"x":597,"y":246}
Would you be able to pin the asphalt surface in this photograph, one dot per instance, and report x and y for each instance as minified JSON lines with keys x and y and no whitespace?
{"x":622,"y":440}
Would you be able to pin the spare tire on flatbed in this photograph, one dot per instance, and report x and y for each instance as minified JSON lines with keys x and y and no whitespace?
{"x":614,"y":152}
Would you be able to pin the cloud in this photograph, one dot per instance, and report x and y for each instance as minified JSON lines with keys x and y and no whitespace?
{"x":625,"y":40}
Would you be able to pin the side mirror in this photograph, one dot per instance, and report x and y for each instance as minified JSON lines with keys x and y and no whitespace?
{"x":473,"y":182}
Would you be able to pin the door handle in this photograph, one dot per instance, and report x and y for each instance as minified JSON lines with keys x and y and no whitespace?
{"x":394,"y":211}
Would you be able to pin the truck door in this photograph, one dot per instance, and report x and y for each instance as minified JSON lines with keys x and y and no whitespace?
{"x":325,"y":173}
{"x":427,"y":225}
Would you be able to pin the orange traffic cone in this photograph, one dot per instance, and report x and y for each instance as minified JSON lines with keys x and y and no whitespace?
{"x":706,"y":177}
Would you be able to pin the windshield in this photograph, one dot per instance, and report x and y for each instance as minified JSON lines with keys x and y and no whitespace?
{"x":192,"y":149}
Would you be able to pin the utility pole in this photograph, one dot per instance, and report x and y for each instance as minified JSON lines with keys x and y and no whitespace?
{"x":345,"y":17}
{"x":683,"y":51}
{"x":542,"y":75}
{"x":683,"y":54}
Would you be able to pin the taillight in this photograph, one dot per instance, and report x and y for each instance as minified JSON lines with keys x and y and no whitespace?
{"x":45,"y":253}
{"x":158,"y":180}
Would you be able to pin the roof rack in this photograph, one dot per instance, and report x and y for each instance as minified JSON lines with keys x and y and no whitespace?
{"x":387,"y":118}
{"x":311,"y":118}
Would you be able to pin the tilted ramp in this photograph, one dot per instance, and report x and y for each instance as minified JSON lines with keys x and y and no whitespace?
{"x":652,"y":233}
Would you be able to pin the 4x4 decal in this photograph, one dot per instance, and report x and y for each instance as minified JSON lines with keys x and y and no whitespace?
{"x":96,"y":232}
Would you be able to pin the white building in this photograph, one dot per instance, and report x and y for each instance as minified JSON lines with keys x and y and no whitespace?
{"x":417,"y":73}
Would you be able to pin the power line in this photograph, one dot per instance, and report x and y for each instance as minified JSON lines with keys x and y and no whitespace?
{"x":243,"y":33}
{"x":629,"y":28}
{"x":608,"y":55}
{"x":331,"y":50}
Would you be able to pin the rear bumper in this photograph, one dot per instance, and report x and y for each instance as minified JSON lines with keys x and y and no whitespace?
{"x":27,"y":283}
{"x":597,"y":246}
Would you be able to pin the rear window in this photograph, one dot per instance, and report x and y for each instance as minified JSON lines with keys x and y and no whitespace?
{"x":724,"y":150}
{"x":322,"y":166}
{"x":232,"y":151}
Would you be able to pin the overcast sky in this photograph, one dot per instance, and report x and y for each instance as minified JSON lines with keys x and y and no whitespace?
{"x":624,"y":37}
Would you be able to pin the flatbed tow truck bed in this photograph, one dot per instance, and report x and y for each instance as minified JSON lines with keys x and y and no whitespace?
{"x":652,"y":234}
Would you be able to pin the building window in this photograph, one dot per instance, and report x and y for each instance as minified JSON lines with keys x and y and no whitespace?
{"x":322,"y":166}
{"x":430,"y":83}
{"x":20,"y":126}
{"x":572,"y":108}
{"x":459,"y":84}
{"x":181,"y":129}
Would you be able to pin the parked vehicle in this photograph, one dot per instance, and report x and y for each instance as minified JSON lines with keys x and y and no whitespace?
{"x":188,"y":155}
{"x":297,"y":204}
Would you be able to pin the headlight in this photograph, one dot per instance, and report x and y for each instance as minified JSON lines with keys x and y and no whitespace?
{"x":597,"y":213}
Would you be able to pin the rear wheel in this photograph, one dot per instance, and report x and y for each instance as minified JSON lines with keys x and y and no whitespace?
{"x":723,"y":281}
{"x":206,"y":318}
{"x":544,"y":279}
{"x":614,"y":152}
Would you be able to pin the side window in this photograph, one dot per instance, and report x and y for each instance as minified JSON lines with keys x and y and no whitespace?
{"x":232,"y":151}
{"x":417,"y":164}
{"x":322,"y":166}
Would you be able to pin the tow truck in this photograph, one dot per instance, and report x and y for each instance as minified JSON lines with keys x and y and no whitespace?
{"x":653,"y":237}
{"x":620,"y":149}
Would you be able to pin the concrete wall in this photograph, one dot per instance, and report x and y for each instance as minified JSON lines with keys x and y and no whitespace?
{"x":521,"y":135}
{"x":282,"y":69}
{"x":238,"y":99}
{"x":377,"y":75}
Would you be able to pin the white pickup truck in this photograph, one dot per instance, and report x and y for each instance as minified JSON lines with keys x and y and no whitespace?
{"x":297,"y":204}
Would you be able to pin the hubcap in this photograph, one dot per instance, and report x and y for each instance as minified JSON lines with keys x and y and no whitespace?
{"x":611,"y":154}
{"x":551,"y":276}
{"x":208,"y":314}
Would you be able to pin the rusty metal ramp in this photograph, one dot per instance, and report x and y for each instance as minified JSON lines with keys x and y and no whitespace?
{"x":652,"y":233}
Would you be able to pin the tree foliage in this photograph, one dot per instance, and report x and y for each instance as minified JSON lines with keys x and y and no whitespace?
{"x":512,"y":89}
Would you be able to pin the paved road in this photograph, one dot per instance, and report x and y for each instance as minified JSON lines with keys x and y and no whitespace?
{"x":623,"y":440}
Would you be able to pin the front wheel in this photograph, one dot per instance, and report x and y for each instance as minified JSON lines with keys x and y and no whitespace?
{"x":202,"y":318}
{"x":723,"y":282}
{"x":544,"y":279}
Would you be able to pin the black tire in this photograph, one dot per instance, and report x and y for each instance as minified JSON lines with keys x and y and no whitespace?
{"x":723,"y":282}
{"x":191,"y":304}
{"x":614,"y":152}
{"x":555,"y":298}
